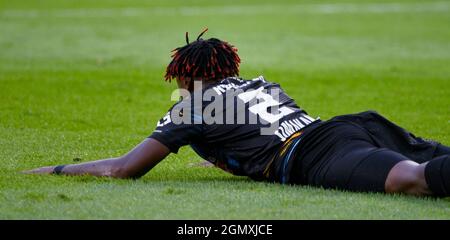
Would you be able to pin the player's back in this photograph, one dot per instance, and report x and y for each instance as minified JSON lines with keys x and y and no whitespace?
{"x":239,"y":125}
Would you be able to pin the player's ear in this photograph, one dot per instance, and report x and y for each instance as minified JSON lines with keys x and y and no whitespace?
{"x":180,"y":83}
{"x":183,"y":82}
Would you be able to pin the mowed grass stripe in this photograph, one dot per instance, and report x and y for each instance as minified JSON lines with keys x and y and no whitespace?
{"x":316,"y":8}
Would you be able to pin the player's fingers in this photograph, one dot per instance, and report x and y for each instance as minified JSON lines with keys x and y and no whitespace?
{"x":28,"y":171}
{"x":41,"y":170}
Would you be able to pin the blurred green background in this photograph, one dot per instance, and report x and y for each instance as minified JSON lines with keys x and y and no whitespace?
{"x":84,"y":79}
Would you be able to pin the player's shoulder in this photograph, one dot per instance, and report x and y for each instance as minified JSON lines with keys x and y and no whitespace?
{"x":241,"y":80}
{"x":241,"y":83}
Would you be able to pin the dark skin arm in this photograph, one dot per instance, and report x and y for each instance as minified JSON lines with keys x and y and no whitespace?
{"x":134,"y":164}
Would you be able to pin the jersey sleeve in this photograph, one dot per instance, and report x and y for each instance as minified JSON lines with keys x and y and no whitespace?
{"x":175,"y":134}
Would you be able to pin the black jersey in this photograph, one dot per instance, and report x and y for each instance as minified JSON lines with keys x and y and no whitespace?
{"x":241,"y":126}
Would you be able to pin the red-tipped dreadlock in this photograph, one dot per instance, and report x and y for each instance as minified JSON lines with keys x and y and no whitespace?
{"x":204,"y":59}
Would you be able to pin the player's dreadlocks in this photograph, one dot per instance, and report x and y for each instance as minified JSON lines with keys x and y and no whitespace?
{"x":209,"y":59}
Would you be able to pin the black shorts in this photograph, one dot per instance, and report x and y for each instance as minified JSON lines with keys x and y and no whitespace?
{"x":355,"y":152}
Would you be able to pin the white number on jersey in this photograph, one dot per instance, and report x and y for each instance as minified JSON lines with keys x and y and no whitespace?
{"x":260,"y":109}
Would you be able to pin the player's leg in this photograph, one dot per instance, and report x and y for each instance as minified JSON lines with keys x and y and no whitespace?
{"x":368,"y":169}
{"x":430,"y":178}
{"x":387,"y":134}
{"x":365,"y":168}
{"x":362,"y":167}
{"x":344,"y":156}
{"x":407,"y":177}
{"x":437,"y":175}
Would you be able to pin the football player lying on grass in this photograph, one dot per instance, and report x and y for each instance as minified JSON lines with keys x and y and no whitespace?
{"x":253,"y":128}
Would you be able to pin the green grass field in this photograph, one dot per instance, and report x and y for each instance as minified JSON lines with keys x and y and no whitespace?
{"x":84,"y":79}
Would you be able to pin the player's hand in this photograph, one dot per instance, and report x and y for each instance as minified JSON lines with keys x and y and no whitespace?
{"x":41,"y":170}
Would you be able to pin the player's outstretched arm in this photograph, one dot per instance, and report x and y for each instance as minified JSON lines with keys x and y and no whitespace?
{"x":134,"y":164}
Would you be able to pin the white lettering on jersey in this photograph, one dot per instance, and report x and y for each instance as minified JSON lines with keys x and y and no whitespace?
{"x":260,"y":109}
{"x":289,"y":127}
{"x":165,"y":120}
{"x":222,"y":88}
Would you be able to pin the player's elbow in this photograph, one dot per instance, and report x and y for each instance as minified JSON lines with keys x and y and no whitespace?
{"x":121,"y":170}
{"x":125,"y":173}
